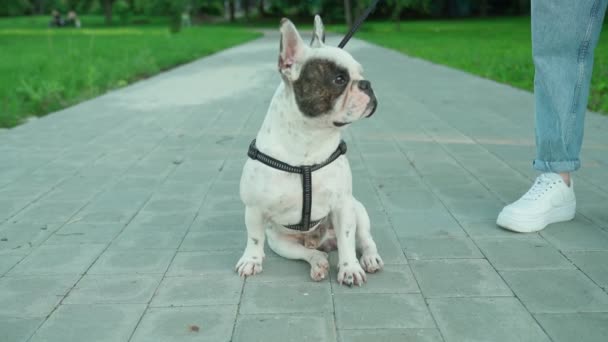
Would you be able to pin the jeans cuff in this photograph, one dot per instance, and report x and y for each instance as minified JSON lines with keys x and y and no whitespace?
{"x":557,"y":167}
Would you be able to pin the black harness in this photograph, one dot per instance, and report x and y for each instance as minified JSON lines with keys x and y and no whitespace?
{"x":306,"y":172}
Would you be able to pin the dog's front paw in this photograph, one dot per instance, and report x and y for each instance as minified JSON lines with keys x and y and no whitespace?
{"x":351,"y":273}
{"x":249,"y":265}
{"x":319,"y":266}
{"x":371,"y":262}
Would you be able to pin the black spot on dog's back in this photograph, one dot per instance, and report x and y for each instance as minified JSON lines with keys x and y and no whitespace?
{"x":320,"y":84}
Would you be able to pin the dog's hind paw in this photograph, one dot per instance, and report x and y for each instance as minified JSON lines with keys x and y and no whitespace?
{"x":319,"y":266}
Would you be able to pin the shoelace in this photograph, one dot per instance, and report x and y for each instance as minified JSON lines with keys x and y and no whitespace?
{"x":540,"y":187}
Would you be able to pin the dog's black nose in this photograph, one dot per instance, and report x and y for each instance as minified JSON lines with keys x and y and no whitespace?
{"x":365,"y":85}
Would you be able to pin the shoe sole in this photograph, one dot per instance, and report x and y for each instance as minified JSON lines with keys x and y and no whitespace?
{"x":519,"y":224}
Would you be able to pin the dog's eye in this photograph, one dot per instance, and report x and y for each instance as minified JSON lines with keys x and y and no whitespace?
{"x":340,"y":80}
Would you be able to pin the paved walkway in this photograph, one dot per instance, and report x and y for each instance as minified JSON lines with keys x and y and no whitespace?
{"x":120,"y":218}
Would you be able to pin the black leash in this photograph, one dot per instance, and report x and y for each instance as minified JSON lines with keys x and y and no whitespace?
{"x":358,"y":23}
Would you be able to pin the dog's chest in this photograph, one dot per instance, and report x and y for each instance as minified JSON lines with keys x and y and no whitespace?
{"x":280,"y":194}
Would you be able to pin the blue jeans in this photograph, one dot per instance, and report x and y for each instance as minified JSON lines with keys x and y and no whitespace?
{"x":564,"y":36}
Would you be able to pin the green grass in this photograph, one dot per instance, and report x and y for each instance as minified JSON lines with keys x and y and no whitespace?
{"x":43,"y":70}
{"x":498,"y":49}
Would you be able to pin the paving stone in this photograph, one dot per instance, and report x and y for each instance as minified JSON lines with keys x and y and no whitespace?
{"x":382,"y":311}
{"x":583,"y":327}
{"x":132,"y":262}
{"x":485,"y":319}
{"x":198,"y":290}
{"x":189,"y":190}
{"x":454,"y":193}
{"x":214,"y":241}
{"x":388,"y":246}
{"x":49,"y":212}
{"x":205,"y":263}
{"x":364,"y":192}
{"x":297,"y":327}
{"x":111,"y":323}
{"x":10,"y":207}
{"x":576,"y":235}
{"x":522,"y":253}
{"x":171,"y":205}
{"x":398,"y":200}
{"x":279,"y":297}
{"x":7,"y":262}
{"x":113,"y":289}
{"x":551,"y":291}
{"x":59,"y":259}
{"x":417,"y":248}
{"x":279,"y":269}
{"x":596,"y":213}
{"x":22,"y":238}
{"x":475,"y":210}
{"x":391,"y":279}
{"x":391,"y":335}
{"x":33,"y":296}
{"x":18,"y":329}
{"x":487,"y":228}
{"x":113,"y":216}
{"x":197,"y":323}
{"x":425,"y":224}
{"x":593,"y":264}
{"x":224,"y":221}
{"x":388,"y":166}
{"x":458,"y":278}
{"x":85,"y":233}
{"x":176,"y":221}
{"x":152,"y":239}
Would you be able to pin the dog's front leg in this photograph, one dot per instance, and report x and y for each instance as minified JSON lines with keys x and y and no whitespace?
{"x":345,"y":226}
{"x":251,"y":261}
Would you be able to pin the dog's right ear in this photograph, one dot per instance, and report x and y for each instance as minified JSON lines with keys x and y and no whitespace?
{"x":318,"y":33}
{"x":292,"y":47}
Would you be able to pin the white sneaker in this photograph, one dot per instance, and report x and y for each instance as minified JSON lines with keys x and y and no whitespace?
{"x":549,"y":200}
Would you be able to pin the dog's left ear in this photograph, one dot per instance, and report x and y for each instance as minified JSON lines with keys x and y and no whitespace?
{"x":292,"y":47}
{"x":318,"y":33}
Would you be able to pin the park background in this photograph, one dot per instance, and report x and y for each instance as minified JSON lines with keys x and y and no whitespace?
{"x":45,"y":68}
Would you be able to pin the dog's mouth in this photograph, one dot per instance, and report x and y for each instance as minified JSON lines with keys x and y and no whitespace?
{"x":340,"y":124}
{"x":374,"y":105}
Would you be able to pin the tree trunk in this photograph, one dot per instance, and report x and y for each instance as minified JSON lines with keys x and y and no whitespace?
{"x":348,"y":13}
{"x":483,"y":8}
{"x":397,"y":14}
{"x":231,"y":9}
{"x":245,"y":4}
{"x":261,"y":10}
{"x":107,"y":10}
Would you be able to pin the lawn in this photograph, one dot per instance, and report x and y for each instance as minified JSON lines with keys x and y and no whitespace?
{"x":498,"y":49}
{"x":43,"y":70}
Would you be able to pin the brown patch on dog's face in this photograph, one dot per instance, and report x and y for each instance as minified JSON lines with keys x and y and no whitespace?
{"x":319,"y":86}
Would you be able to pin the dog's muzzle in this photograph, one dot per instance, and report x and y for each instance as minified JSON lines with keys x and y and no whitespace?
{"x":366,"y":87}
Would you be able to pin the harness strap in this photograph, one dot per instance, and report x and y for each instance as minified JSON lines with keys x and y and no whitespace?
{"x":306,"y":172}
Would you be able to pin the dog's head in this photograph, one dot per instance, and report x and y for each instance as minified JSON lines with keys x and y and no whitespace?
{"x":326,"y":82}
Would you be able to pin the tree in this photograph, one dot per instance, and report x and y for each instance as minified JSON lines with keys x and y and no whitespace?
{"x":348,"y":13}
{"x":261,"y":9}
{"x":245,"y":4}
{"x":231,"y":10}
{"x":107,"y":10}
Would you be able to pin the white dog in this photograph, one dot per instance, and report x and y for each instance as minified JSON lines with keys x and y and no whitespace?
{"x":297,"y":184}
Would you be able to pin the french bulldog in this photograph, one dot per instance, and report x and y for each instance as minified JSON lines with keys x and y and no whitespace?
{"x":322,"y":91}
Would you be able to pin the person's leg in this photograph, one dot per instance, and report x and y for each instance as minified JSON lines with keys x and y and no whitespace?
{"x":564,"y":36}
